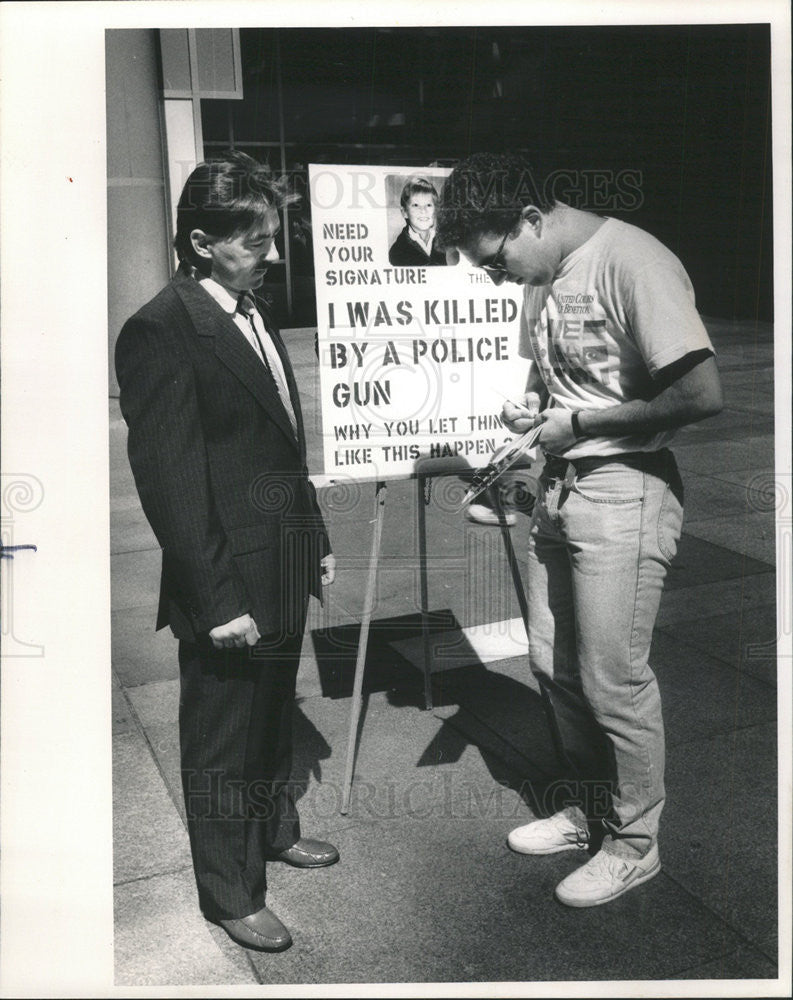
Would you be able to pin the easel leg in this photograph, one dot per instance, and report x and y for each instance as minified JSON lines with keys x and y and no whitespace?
{"x":514,"y":567}
{"x":368,"y":606}
{"x":425,"y":634}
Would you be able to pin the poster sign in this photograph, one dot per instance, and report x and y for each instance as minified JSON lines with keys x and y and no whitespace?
{"x":416,"y":356}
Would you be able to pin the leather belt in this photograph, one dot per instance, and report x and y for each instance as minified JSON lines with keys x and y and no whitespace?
{"x":559,"y":468}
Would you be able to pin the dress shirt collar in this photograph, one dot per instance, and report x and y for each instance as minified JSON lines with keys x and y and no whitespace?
{"x":426,"y":247}
{"x":225,"y":299}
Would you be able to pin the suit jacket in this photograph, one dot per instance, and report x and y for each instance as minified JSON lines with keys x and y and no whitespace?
{"x":221,"y":477}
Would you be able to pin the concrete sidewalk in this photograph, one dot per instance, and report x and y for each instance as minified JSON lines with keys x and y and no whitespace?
{"x":427,"y":890}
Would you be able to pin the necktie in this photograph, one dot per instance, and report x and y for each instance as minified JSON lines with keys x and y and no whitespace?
{"x":272,"y":362}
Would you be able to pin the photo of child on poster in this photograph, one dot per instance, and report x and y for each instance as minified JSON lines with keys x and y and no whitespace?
{"x":415,"y":244}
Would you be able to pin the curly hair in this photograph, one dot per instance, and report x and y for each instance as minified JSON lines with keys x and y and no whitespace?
{"x":225,"y":196}
{"x":485,"y":194}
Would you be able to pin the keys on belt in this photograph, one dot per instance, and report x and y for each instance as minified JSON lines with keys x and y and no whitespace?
{"x":559,"y":469}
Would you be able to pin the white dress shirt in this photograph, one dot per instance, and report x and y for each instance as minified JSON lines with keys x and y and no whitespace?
{"x":257,"y":336}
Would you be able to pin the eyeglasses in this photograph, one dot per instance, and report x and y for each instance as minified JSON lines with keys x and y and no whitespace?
{"x":495,"y":267}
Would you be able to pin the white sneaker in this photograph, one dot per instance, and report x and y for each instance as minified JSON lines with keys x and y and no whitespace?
{"x":549,"y":836}
{"x":606,"y":877}
{"x":486,"y":515}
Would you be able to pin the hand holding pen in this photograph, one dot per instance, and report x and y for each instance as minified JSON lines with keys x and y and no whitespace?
{"x":508,"y":454}
{"x":520,"y":416}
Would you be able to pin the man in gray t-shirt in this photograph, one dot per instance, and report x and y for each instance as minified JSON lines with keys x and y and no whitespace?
{"x":620,"y":360}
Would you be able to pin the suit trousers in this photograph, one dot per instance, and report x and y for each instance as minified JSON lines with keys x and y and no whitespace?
{"x":235,"y":725}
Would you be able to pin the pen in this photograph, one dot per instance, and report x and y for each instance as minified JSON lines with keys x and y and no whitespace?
{"x":532,"y":404}
{"x":501,"y":395}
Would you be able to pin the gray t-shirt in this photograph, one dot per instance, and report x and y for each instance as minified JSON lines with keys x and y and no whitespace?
{"x":619,"y":309}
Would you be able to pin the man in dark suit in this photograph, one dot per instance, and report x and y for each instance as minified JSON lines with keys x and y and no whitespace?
{"x":217,"y":448}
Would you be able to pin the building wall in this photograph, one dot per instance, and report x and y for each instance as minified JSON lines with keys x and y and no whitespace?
{"x":664,"y":126}
{"x":138,"y":257}
{"x":684,"y":110}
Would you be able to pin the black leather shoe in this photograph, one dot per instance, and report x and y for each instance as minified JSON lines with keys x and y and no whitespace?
{"x":307,"y":854}
{"x":261,"y":930}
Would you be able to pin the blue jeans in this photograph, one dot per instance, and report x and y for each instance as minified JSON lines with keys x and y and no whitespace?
{"x":602,"y":539}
